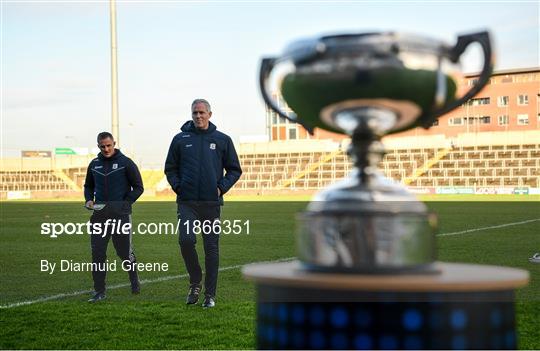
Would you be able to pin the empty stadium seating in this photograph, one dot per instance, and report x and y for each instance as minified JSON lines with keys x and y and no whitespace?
{"x":491,"y":165}
{"x":32,"y":181}
{"x":494,"y":165}
{"x":516,"y":165}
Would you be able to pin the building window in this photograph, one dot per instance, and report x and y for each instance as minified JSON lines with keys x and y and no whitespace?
{"x":502,"y":101}
{"x":527,"y":77}
{"x":485,"y":120}
{"x":455,"y":121}
{"x":473,"y":81}
{"x":503,"y":120}
{"x":478,"y":101}
{"x":477,"y":120}
{"x":292,"y":133}
{"x":523,"y":99}
{"x":523,"y":119}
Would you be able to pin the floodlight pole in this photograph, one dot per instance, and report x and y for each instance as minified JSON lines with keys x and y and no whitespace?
{"x":114,"y":76}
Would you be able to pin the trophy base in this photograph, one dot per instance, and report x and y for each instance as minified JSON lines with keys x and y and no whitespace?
{"x":429,"y":268}
{"x":464,"y":307}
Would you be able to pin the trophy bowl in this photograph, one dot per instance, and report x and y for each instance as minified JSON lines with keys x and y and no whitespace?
{"x":368,"y":85}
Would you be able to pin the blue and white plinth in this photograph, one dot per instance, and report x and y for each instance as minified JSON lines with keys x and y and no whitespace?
{"x":459,"y":307}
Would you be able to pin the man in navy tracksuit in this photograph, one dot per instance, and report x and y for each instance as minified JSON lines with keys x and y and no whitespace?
{"x":113,"y":180}
{"x":195,"y":166}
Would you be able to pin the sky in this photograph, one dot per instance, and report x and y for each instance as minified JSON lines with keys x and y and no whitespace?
{"x":55,"y":60}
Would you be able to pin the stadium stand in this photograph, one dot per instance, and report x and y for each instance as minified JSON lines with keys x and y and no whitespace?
{"x":43,"y":180}
{"x":492,"y":165}
{"x":308,"y":166}
{"x":510,"y":165}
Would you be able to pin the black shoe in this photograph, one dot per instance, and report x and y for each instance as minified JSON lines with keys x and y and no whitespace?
{"x":193,"y":295}
{"x":97,"y":297}
{"x":208,"y":302}
{"x":135,"y":287}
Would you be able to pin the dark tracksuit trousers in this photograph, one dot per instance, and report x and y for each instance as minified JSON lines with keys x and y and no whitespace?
{"x":122,"y":245}
{"x":187,"y":214}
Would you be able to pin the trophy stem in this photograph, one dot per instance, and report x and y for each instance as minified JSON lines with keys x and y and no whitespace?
{"x":366,"y":125}
{"x":366,"y":151}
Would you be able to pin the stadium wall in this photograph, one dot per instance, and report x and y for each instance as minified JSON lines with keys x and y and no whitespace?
{"x":287,"y":146}
{"x":45,"y":163}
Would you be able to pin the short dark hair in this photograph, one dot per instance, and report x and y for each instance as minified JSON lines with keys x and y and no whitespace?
{"x":104,"y":135}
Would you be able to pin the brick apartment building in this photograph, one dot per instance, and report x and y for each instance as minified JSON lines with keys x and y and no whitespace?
{"x":510,"y":102}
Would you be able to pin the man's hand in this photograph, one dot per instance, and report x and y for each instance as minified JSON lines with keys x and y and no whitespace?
{"x":89,"y":204}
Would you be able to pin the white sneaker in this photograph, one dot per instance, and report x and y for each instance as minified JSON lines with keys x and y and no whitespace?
{"x":535,"y":258}
{"x":209,"y":302}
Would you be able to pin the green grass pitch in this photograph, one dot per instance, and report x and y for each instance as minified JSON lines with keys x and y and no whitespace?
{"x":158,"y":317}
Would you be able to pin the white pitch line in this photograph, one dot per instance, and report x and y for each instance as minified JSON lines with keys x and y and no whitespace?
{"x":491,"y":227}
{"x":180,"y":276}
{"x":123,"y":285}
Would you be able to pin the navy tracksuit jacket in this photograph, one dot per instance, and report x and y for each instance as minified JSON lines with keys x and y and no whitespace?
{"x":195,"y":164}
{"x":194,"y":169}
{"x":116,"y":182}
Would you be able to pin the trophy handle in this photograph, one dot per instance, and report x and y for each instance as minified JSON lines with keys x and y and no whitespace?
{"x":463,"y":42}
{"x":267,"y":64}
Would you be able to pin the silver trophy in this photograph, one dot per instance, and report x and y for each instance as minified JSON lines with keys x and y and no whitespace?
{"x":368,"y":85}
